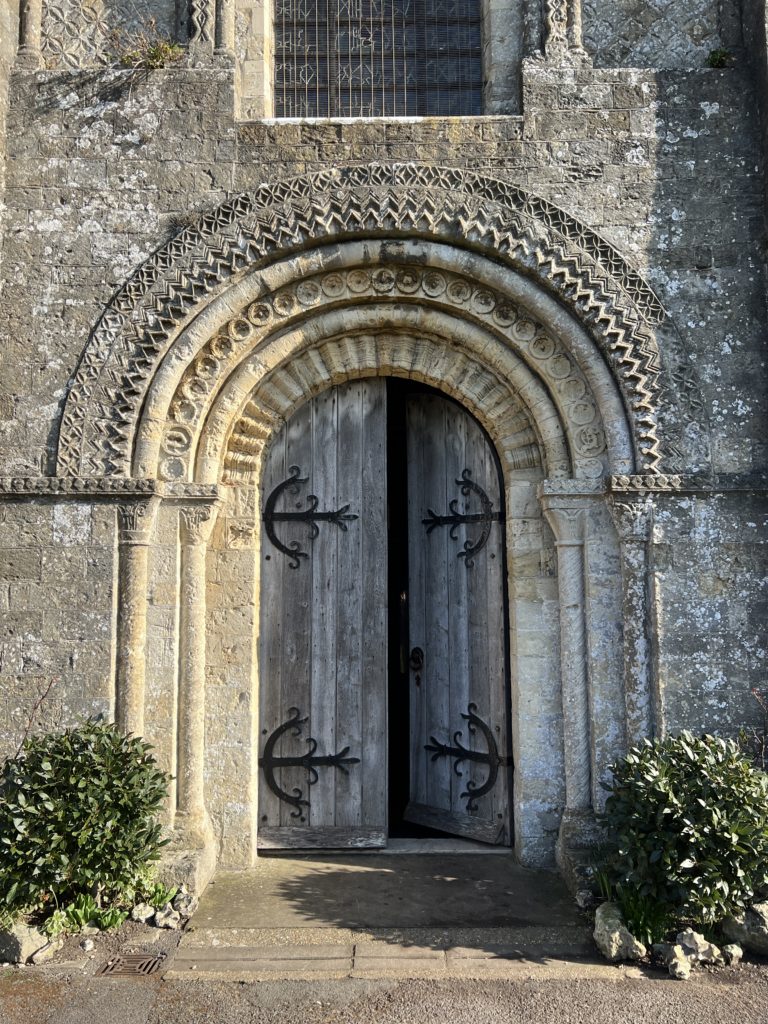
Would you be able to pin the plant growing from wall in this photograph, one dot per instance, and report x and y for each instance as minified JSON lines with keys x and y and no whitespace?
{"x":78,"y":822}
{"x":754,"y":740}
{"x":144,"y":48}
{"x":689,"y":819}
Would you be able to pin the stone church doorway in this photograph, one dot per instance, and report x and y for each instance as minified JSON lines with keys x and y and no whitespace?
{"x":383,"y":638}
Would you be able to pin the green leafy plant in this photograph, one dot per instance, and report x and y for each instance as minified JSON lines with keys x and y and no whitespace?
{"x":56,"y":924}
{"x":81,"y":912}
{"x":111,"y":917}
{"x":689,"y":819}
{"x":719,"y":58}
{"x":158,"y":894}
{"x":77,"y":819}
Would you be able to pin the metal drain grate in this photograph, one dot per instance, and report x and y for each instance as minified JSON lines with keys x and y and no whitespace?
{"x":133,"y":964}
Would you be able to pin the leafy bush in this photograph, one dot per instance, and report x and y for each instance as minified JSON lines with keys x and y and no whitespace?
{"x":77,"y":819}
{"x":690,"y":821}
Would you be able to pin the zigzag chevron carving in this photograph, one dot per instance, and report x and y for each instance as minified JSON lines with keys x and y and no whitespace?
{"x":447,"y":204}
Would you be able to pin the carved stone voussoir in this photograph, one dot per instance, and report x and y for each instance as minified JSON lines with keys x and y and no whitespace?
{"x":519,"y":228}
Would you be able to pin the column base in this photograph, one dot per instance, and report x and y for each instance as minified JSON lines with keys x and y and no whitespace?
{"x":190,"y":857}
{"x":577,"y":849}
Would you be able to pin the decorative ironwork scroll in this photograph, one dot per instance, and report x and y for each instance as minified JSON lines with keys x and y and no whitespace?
{"x":486,"y":517}
{"x":310,"y":515}
{"x":490,"y":757}
{"x":309,"y":761}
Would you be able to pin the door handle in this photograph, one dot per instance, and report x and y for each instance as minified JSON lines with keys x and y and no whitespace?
{"x":416,"y":661}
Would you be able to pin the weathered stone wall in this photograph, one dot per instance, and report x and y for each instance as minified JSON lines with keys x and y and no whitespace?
{"x":105,"y":166}
{"x":659,"y":33}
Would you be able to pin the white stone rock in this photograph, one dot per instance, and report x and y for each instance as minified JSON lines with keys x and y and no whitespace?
{"x":167,"y":917}
{"x":679,"y":965}
{"x":87,"y":945}
{"x":142,"y":912}
{"x":185,"y":904}
{"x":20,"y":942}
{"x":732,"y":953}
{"x":697,"y":948}
{"x":749,"y":930}
{"x":613,"y":938}
{"x":46,"y":952}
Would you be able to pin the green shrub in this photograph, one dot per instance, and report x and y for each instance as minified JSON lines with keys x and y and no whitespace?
{"x":77,"y":819}
{"x":689,"y":819}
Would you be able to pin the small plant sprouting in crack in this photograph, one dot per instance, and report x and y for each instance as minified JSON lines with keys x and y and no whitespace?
{"x":144,"y":48}
{"x":719,"y":59}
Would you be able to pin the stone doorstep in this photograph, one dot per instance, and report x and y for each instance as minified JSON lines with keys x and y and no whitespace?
{"x":368,"y":958}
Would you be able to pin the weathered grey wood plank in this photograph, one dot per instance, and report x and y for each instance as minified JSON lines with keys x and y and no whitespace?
{"x":350,"y":597}
{"x":373,"y":569}
{"x":321,"y":837}
{"x":325,"y":600}
{"x":270,"y":631}
{"x":296,"y":682}
{"x":455,"y":822}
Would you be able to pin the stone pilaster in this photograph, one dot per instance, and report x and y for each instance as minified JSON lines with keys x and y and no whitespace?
{"x":632,"y":516}
{"x":135,"y":522}
{"x":195,"y":523}
{"x":565,"y":505}
{"x":30,"y":33}
{"x":565,"y":516}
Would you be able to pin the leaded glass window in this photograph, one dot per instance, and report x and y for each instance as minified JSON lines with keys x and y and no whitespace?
{"x":377,"y":58}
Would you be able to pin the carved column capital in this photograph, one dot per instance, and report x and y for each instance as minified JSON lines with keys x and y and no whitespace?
{"x":196,"y":522}
{"x":632,"y":516}
{"x":135,"y":520}
{"x":564,"y":503}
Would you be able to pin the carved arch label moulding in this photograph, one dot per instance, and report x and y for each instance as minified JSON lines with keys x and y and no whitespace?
{"x":461,"y":208}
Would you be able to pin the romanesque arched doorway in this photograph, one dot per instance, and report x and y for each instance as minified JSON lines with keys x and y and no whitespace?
{"x":534,"y":324}
{"x":383,"y":648}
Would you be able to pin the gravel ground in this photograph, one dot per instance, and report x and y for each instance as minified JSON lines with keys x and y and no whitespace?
{"x":563,"y":993}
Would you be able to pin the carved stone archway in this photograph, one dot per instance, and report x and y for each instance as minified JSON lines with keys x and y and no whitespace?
{"x":469,"y":284}
{"x":469,"y":211}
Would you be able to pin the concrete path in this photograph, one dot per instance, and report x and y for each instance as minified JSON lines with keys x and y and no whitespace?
{"x":448,"y":939}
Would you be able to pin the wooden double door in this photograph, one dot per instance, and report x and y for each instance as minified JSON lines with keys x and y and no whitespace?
{"x":383,"y":660}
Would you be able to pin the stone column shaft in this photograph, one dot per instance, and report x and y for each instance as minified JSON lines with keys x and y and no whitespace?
{"x":30,"y":33}
{"x":567,"y":524}
{"x":196,"y":522}
{"x":135,"y":522}
{"x":632,"y":518}
{"x":225,"y":26}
